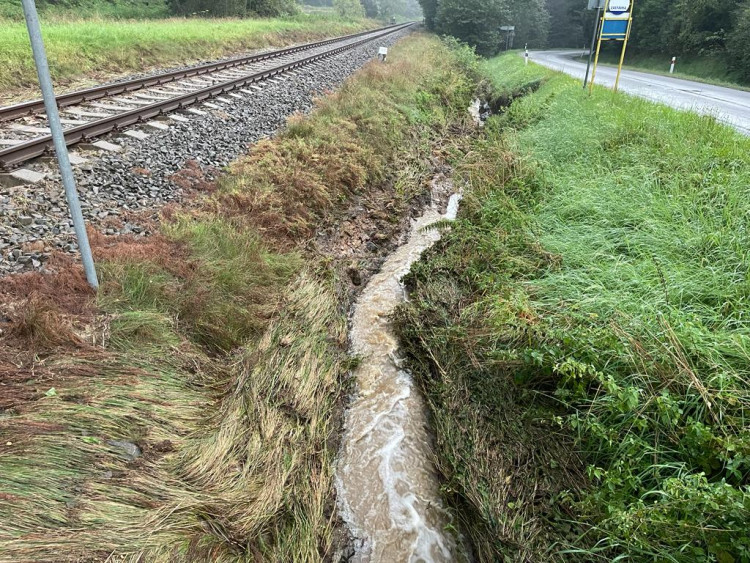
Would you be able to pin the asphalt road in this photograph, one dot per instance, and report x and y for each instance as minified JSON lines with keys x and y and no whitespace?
{"x":727,"y":105}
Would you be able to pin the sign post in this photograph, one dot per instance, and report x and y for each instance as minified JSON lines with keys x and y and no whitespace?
{"x":615,"y":26}
{"x":510,"y":33}
{"x":598,"y":4}
{"x":58,"y":137}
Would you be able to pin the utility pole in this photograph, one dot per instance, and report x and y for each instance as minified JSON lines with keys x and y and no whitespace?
{"x":58,"y":137}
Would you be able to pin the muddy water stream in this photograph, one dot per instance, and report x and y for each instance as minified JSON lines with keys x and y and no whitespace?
{"x":386,"y":483}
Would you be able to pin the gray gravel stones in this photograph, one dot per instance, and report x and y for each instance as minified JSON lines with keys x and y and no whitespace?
{"x":128,"y":450}
{"x":140,"y":179}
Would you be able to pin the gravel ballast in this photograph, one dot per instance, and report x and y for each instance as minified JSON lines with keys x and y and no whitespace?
{"x":120,"y":191}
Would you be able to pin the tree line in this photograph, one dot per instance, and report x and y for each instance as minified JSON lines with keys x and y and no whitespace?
{"x":479,"y":22}
{"x":379,"y":9}
{"x":229,"y":8}
{"x":717,"y":29}
{"x":695,"y":28}
{"x":682,"y":28}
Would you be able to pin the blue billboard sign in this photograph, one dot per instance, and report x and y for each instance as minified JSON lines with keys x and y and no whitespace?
{"x":614,"y":29}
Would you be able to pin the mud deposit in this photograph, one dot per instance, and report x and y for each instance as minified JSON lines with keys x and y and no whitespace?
{"x":386,"y":483}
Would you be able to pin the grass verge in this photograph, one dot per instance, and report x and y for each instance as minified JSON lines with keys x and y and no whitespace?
{"x":191,"y":412}
{"x":581,"y":331}
{"x":101,"y":49}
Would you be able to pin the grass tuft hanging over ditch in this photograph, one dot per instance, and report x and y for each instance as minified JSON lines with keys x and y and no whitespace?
{"x":581,"y":333}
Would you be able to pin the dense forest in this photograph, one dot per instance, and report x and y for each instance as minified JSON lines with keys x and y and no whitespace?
{"x":718,"y":29}
{"x":479,"y":22}
{"x":683,"y":28}
{"x":379,"y":9}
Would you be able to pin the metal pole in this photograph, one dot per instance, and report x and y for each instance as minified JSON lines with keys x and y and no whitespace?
{"x":61,"y":149}
{"x":593,"y":43}
{"x":598,"y":50}
{"x":624,"y":46}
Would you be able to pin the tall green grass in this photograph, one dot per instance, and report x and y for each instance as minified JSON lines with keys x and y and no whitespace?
{"x":83,"y":48}
{"x":596,"y":287}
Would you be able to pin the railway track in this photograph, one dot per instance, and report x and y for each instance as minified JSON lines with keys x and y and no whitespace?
{"x":87,"y":114}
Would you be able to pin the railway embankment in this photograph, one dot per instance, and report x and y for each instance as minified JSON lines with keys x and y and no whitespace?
{"x":149,"y":163}
{"x":192,"y":410}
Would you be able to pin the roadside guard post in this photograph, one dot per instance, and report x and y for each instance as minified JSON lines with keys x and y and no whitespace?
{"x":61,"y":148}
{"x":526,"y":54}
{"x":671,"y":67}
{"x":616,"y":24}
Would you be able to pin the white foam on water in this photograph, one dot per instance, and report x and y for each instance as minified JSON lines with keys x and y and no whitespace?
{"x":453,"y":203}
{"x":387,"y":486}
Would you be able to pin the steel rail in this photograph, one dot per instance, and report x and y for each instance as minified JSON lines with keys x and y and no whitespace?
{"x":41,"y":145}
{"x":97,"y":92}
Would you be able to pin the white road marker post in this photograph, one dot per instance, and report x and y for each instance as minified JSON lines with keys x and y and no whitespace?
{"x":671,"y":67}
{"x":526,"y":54}
{"x":58,"y":137}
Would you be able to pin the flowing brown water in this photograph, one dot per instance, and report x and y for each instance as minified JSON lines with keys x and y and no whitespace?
{"x":386,"y":482}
